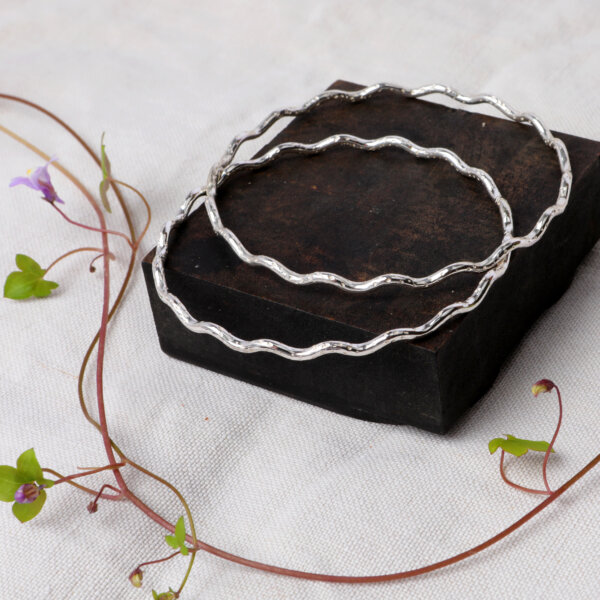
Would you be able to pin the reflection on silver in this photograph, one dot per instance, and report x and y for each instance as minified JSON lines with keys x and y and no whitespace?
{"x":493,"y":267}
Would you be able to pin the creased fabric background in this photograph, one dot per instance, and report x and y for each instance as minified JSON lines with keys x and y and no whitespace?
{"x":268,"y":477}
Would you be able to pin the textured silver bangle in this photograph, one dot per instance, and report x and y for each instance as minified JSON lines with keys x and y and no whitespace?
{"x":496,"y":265}
{"x":344,"y":139}
{"x":509,"y":242}
{"x":316,"y":350}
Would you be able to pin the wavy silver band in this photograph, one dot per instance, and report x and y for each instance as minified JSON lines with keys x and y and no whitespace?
{"x":316,"y":350}
{"x":344,"y":139}
{"x":225,"y":167}
{"x":493,"y":267}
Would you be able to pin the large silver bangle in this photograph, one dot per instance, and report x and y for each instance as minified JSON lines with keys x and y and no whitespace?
{"x":509,"y":242}
{"x":321,"y":348}
{"x":494,"y":266}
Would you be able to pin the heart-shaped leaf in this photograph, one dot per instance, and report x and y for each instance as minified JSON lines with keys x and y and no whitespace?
{"x":517,"y":446}
{"x":27,"y":282}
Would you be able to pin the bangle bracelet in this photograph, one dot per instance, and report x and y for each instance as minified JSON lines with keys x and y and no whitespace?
{"x":310,"y":352}
{"x":344,"y":139}
{"x":498,"y":262}
{"x":509,"y":242}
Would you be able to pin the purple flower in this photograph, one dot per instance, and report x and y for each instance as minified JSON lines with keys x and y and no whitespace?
{"x":39,"y":180}
{"x":28,"y":493}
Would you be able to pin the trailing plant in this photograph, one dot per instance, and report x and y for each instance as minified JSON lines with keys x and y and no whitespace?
{"x":518,"y":447}
{"x":27,"y":484}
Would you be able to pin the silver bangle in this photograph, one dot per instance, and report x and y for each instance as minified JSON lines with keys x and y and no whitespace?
{"x":496,"y":265}
{"x":509,"y":242}
{"x":316,"y":350}
{"x":344,"y":139}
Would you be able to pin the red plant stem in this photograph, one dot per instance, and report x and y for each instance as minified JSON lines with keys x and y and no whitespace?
{"x":390,"y":576}
{"x":421,"y":570}
{"x":89,"y":472}
{"x":89,"y":227}
{"x":549,"y":450}
{"x":57,"y":260}
{"x":102,"y":331}
{"x":93,"y":506}
{"x":368,"y":578}
{"x":83,"y":488}
{"x":158,"y":560}
{"x":101,"y":351}
{"x":516,"y":485}
{"x":101,"y":335}
{"x":145,"y":202}
{"x":92,"y":268}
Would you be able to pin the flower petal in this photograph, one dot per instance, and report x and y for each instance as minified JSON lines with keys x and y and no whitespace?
{"x":22,"y":181}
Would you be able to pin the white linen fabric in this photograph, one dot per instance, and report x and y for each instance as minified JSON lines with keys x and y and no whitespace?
{"x":268,"y":477}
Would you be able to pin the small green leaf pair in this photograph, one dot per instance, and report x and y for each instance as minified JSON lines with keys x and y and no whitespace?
{"x":177,"y":541}
{"x":170,"y":595}
{"x":517,"y":446}
{"x":14,"y":484}
{"x":27,"y":282}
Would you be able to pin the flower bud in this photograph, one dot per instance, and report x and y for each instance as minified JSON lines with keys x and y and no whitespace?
{"x":542,"y":386}
{"x":27,"y":493}
{"x":136,"y":578}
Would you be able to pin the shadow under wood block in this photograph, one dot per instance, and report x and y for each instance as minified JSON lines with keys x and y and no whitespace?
{"x":363,"y":213}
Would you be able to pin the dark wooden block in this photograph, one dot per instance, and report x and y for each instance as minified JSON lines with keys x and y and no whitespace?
{"x":361,"y":214}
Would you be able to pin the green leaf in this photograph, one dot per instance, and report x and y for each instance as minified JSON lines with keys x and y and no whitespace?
{"x":180,"y":531}
{"x":19,"y":285}
{"x":105,"y":164}
{"x":28,"y":467}
{"x":43,"y":288}
{"x":26,"y":512}
{"x":177,"y":541}
{"x":28,"y":265}
{"x":9,"y":483}
{"x":170,"y":595}
{"x":517,"y":446}
{"x":28,"y":281}
{"x":102,"y":189}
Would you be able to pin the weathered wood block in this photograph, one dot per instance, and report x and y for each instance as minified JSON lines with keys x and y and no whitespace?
{"x":363,"y":213}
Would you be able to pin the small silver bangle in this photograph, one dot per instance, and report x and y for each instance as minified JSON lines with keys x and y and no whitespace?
{"x":344,"y":139}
